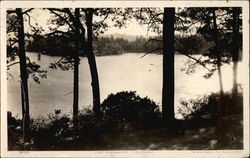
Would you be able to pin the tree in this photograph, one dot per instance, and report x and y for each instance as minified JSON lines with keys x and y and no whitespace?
{"x":76,"y":67}
{"x":23,"y":72}
{"x":72,"y":20}
{"x":16,"y":47}
{"x":217,"y":50}
{"x":93,"y":30}
{"x":84,"y":21}
{"x":168,"y":64}
{"x":89,"y":12}
{"x":223,"y":34}
{"x":236,"y":42}
{"x":219,"y":27}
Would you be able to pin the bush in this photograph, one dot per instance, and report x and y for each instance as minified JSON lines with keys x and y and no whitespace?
{"x":88,"y":127}
{"x":52,"y":132}
{"x":205,"y":107}
{"x":14,"y":132}
{"x":126,"y":106}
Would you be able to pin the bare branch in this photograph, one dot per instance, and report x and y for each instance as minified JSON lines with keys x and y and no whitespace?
{"x":12,"y":64}
{"x":151,"y":52}
{"x":152,"y":39}
{"x":60,"y":32}
{"x":28,"y":11}
{"x":11,"y":11}
{"x":29,"y":22}
{"x":59,"y":60}
{"x":197,"y":61}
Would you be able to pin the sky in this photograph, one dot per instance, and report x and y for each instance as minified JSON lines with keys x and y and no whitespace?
{"x":41,"y":17}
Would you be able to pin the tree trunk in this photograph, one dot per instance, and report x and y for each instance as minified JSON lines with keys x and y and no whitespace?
{"x":23,"y":73}
{"x":92,"y":62}
{"x":76,"y":70}
{"x":235,"y":51}
{"x":219,"y":122}
{"x":218,"y":51}
{"x":168,"y":65}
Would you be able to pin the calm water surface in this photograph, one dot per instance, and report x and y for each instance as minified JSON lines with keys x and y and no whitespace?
{"x":116,"y":73}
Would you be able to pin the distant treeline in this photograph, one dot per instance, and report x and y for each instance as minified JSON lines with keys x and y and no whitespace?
{"x":60,"y":45}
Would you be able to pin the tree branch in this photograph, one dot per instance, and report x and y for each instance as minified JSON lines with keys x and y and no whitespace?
{"x":28,"y":11}
{"x":52,"y":10}
{"x":60,"y":32}
{"x":11,"y":11}
{"x":197,"y":61}
{"x":151,"y":51}
{"x":29,"y":22}
{"x":101,"y":22}
{"x":152,"y":39}
{"x":12,"y":64}
{"x":59,"y":60}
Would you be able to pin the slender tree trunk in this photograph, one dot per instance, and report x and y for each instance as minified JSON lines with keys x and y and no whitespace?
{"x":219,"y":123}
{"x":92,"y":62}
{"x":235,"y":51}
{"x":76,"y":70}
{"x":218,"y":52}
{"x":168,"y":65}
{"x":24,"y":75}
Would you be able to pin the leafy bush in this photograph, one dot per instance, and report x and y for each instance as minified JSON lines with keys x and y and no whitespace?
{"x":52,"y":132}
{"x":89,"y":125}
{"x":14,"y":132}
{"x":126,"y":106}
{"x":205,"y":107}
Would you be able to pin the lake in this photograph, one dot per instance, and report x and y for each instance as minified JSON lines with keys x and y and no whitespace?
{"x":127,"y":72}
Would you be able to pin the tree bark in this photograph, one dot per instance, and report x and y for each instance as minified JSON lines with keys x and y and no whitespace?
{"x":92,"y":62}
{"x":76,"y":70}
{"x":23,"y":73}
{"x":168,"y":64}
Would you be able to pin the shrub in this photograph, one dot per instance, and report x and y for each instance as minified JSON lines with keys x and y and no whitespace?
{"x":14,"y":132}
{"x":88,"y":127}
{"x":205,"y":107}
{"x":51,"y":130}
{"x":126,"y":106}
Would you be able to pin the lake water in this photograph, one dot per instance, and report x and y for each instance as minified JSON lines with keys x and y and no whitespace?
{"x":116,"y":73}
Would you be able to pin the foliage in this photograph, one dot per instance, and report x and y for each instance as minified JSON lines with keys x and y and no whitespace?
{"x":215,"y":25}
{"x":51,"y":131}
{"x":205,"y":107}
{"x":127,"y":106}
{"x":33,"y":69}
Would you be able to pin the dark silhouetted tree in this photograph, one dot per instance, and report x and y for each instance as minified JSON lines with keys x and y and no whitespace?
{"x":89,"y":12}
{"x":23,"y":72}
{"x":71,"y":58}
{"x":16,"y":47}
{"x":168,"y":64}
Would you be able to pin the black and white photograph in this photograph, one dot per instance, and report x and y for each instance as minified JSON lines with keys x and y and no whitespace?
{"x":125,"y":78}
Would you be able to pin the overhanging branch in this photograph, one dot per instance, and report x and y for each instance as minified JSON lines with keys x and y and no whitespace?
{"x":151,"y":52}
